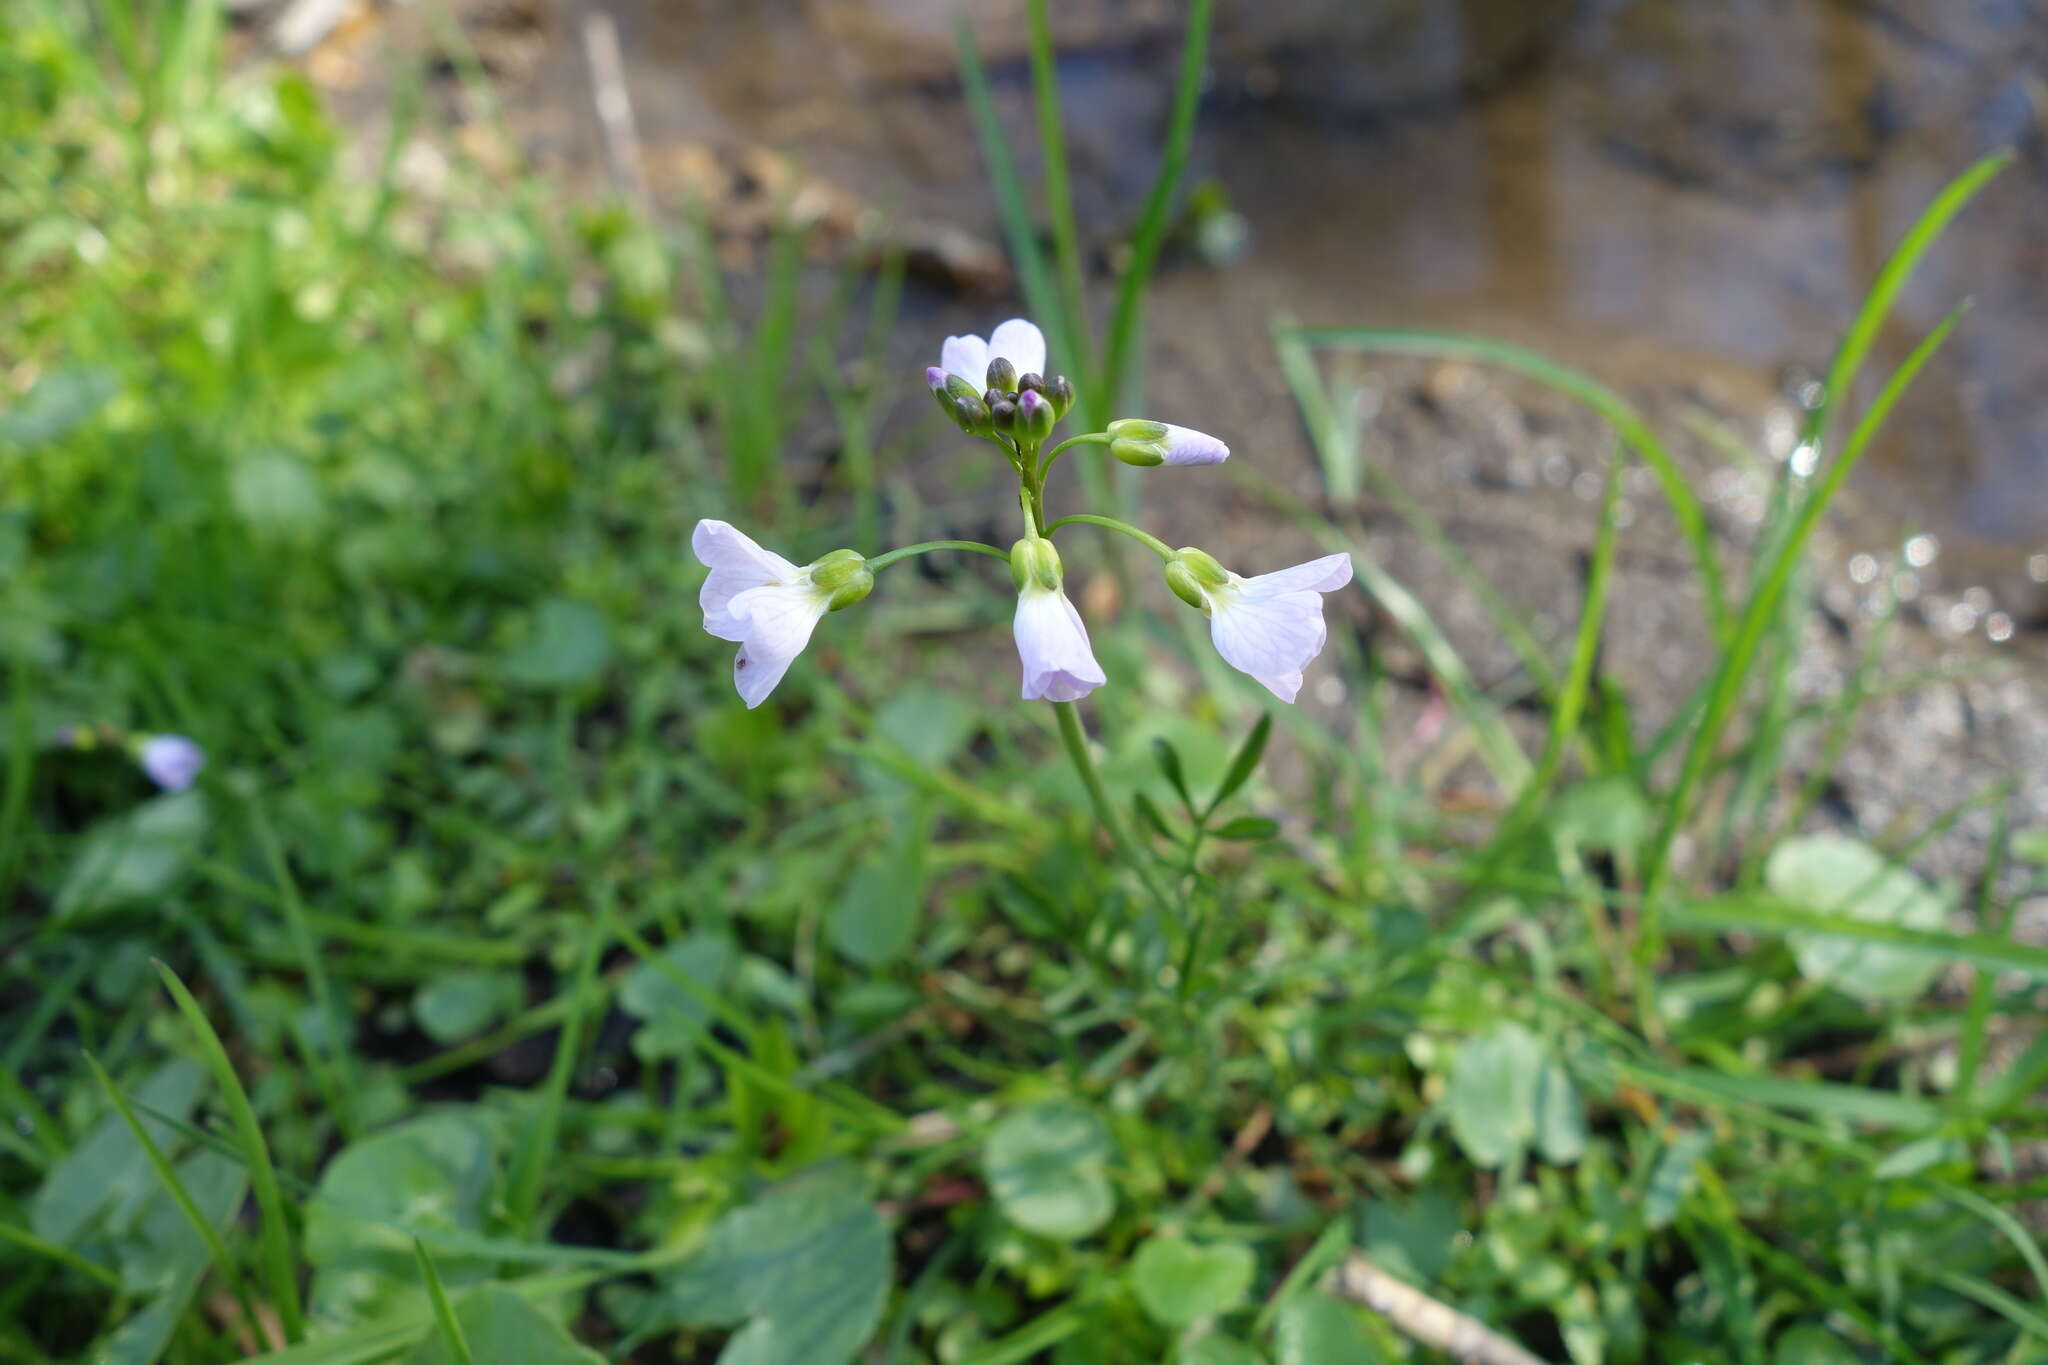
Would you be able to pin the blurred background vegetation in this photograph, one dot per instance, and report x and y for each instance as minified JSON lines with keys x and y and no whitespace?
{"x":1632,"y":942}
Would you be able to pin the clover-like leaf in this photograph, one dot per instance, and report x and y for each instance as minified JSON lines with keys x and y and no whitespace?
{"x":1048,"y":1167}
{"x":1831,"y":875}
{"x":1180,"y":1282}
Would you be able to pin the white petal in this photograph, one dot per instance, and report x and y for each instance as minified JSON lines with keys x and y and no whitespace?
{"x":1327,"y":574}
{"x":967,"y":357}
{"x":737,"y":564}
{"x":1021,"y":343}
{"x":1053,"y":645}
{"x":773,"y":625}
{"x":1185,"y":446}
{"x":1271,"y":638}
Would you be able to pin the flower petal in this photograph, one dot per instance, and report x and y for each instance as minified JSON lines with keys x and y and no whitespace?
{"x":774,"y":623}
{"x":1052,"y":644}
{"x":737,"y":564}
{"x":1021,"y":343}
{"x":1185,"y":446}
{"x":1327,"y":574}
{"x":171,"y":761}
{"x":967,"y":357}
{"x":1271,"y":638}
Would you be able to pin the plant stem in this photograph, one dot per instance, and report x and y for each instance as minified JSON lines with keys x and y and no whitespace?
{"x":1094,"y":438}
{"x":883,"y":561}
{"x":1084,"y":764}
{"x":1151,"y":542}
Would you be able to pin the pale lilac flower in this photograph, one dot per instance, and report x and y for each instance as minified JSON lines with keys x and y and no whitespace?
{"x":171,"y":761}
{"x":766,"y":604}
{"x":1136,"y":441}
{"x":1018,"y":341}
{"x":1270,"y":626}
{"x":1059,"y":664}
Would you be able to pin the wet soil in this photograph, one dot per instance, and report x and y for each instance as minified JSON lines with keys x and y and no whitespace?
{"x":1685,"y":198}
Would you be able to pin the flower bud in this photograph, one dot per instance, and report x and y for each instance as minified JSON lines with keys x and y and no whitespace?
{"x":1141,"y":453}
{"x":1182,"y":580}
{"x":1202,"y":567}
{"x":1137,"y":429}
{"x":1002,"y":376}
{"x":1034,"y":382}
{"x":844,"y":577}
{"x":1033,"y":560}
{"x":1002,"y":415}
{"x":970,"y":413}
{"x":936,"y":378}
{"x":1035,"y":416}
{"x":1061,"y":394}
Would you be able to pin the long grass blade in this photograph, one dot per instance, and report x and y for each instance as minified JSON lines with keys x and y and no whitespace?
{"x":1059,"y":198}
{"x":1766,"y":914}
{"x":209,"y":1235}
{"x":1615,"y":410}
{"x":1100,"y":402}
{"x":444,"y":1316}
{"x":537,"y":1142}
{"x":277,"y":1235}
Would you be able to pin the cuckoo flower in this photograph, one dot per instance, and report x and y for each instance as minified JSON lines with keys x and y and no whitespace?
{"x":1270,"y":626}
{"x":171,"y":761}
{"x":1137,"y":441}
{"x":1059,"y":664}
{"x":1018,"y":341}
{"x":766,"y":604}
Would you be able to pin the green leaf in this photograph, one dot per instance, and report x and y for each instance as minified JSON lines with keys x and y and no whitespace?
{"x":1674,"y":1176}
{"x":1245,"y":762}
{"x":453,"y":1006}
{"x":670,"y":1013}
{"x":136,"y":857}
{"x":277,"y":495}
{"x":2031,"y":847}
{"x":1560,"y":1115}
{"x":429,"y":1175}
{"x":1168,"y":759}
{"x":1048,"y":1167}
{"x":1418,"y":1239}
{"x":1811,"y":1344}
{"x":1180,"y":1282}
{"x":1248,"y":827}
{"x":569,"y":645}
{"x":1315,"y":1329}
{"x":1214,"y":1350}
{"x":1607,"y":813}
{"x":1491,"y":1096}
{"x":1830,"y":874}
{"x":107,"y":1174}
{"x":59,"y":403}
{"x":499,"y":1325}
{"x":875,"y":917}
{"x":805,"y":1266}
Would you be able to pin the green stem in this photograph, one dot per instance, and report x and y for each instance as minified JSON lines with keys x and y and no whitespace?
{"x":1097,"y":438}
{"x":1152,"y":542}
{"x":1084,"y":764}
{"x":883,"y":561}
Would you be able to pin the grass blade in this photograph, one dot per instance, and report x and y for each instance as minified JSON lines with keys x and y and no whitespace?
{"x":1767,"y":914}
{"x":277,"y":1236}
{"x":1615,"y":410}
{"x":451,"y":1330}
{"x":209,"y":1235}
{"x":1100,"y":401}
{"x":529,"y":1164}
{"x":1059,"y":199}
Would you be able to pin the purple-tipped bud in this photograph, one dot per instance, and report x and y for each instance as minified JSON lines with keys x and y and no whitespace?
{"x":1035,"y":416}
{"x":936,"y":378}
{"x":171,"y":761}
{"x":1174,"y":445}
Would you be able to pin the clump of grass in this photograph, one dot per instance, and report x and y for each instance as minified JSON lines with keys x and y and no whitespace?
{"x":544,"y":995}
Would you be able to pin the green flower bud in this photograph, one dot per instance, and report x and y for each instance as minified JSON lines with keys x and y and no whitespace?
{"x":1034,"y":560}
{"x":1033,"y":382}
{"x":970,"y":413}
{"x":844,"y":577}
{"x":1061,"y":394}
{"x":1137,"y":429}
{"x":1141,"y":453}
{"x":1002,"y":415}
{"x":1203,"y":566}
{"x":1185,"y":586}
{"x":1002,"y":376}
{"x":1035,"y":416}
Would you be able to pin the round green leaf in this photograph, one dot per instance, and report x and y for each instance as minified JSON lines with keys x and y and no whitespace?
{"x":1048,"y":1168}
{"x":1828,"y":874}
{"x":1180,"y":1282}
{"x":1491,"y":1098}
{"x":1315,"y":1328}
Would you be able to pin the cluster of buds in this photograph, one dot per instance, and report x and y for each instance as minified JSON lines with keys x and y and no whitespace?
{"x":1269,"y":626}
